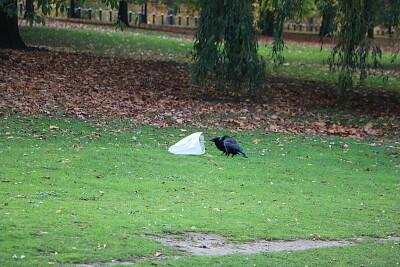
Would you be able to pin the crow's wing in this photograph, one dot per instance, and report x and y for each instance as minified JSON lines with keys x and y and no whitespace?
{"x":220,"y":146}
{"x":231,"y":146}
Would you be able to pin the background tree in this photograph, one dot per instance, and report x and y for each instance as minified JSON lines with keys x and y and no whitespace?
{"x":351,"y":21}
{"x":266,"y":17}
{"x":226,"y":46}
{"x":144,"y":13}
{"x":268,"y":9}
{"x":9,"y":31}
{"x":328,"y":11}
{"x":310,"y":11}
{"x":350,"y":55}
{"x":284,"y":10}
{"x":71,"y":11}
{"x":29,"y":8}
{"x":123,"y":13}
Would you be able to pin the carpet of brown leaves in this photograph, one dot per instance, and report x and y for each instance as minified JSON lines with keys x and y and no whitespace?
{"x":161,"y":93}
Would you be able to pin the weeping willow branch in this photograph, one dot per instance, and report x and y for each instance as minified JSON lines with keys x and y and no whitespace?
{"x":226,"y":46}
{"x":351,"y":54}
{"x":284,"y":10}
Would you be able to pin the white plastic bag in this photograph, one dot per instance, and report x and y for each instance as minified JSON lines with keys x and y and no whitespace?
{"x":190,"y":145}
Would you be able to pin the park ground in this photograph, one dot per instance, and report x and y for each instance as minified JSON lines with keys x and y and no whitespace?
{"x":89,"y":133}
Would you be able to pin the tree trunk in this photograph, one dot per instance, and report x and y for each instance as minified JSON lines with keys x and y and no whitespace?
{"x":144,"y":14}
{"x":71,"y":10}
{"x":29,"y":9}
{"x":326,"y":25}
{"x":9,"y":31}
{"x":268,"y":27}
{"x":371,"y":32}
{"x":123,"y":12}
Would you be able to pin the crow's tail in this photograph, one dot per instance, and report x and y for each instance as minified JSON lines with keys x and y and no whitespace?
{"x":242,"y":154}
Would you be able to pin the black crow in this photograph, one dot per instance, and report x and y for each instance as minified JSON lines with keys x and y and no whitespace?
{"x":219,"y":144}
{"x":232,"y":147}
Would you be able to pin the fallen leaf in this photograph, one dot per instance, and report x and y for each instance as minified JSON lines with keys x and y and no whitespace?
{"x":41,"y":233}
{"x":212,"y":161}
{"x":165,"y":94}
{"x":367,"y":127}
{"x":158,"y":253}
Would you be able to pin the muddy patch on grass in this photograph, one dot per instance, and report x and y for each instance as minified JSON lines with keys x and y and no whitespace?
{"x":210,"y":244}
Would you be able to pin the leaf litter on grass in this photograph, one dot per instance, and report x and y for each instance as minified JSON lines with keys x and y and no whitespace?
{"x":160,"y":93}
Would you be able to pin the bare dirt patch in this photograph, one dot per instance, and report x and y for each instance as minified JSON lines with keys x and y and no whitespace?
{"x":210,"y":244}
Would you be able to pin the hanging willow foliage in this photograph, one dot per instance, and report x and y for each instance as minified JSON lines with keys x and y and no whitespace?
{"x":284,"y":9}
{"x":350,"y":56}
{"x":351,"y":21}
{"x":226,"y":46}
{"x":353,"y":47}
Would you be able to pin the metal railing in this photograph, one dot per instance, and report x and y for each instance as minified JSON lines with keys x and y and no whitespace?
{"x":133,"y":17}
{"x":169,"y":19}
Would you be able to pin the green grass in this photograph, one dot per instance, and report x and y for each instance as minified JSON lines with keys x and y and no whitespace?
{"x":106,"y":42}
{"x":313,"y":55}
{"x":81,"y":192}
{"x":363,"y":255}
{"x":310,"y":64}
{"x":302,"y":63}
{"x":75,"y":191}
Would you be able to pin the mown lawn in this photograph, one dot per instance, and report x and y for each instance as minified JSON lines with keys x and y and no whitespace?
{"x":86,"y":191}
{"x":75,"y":191}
